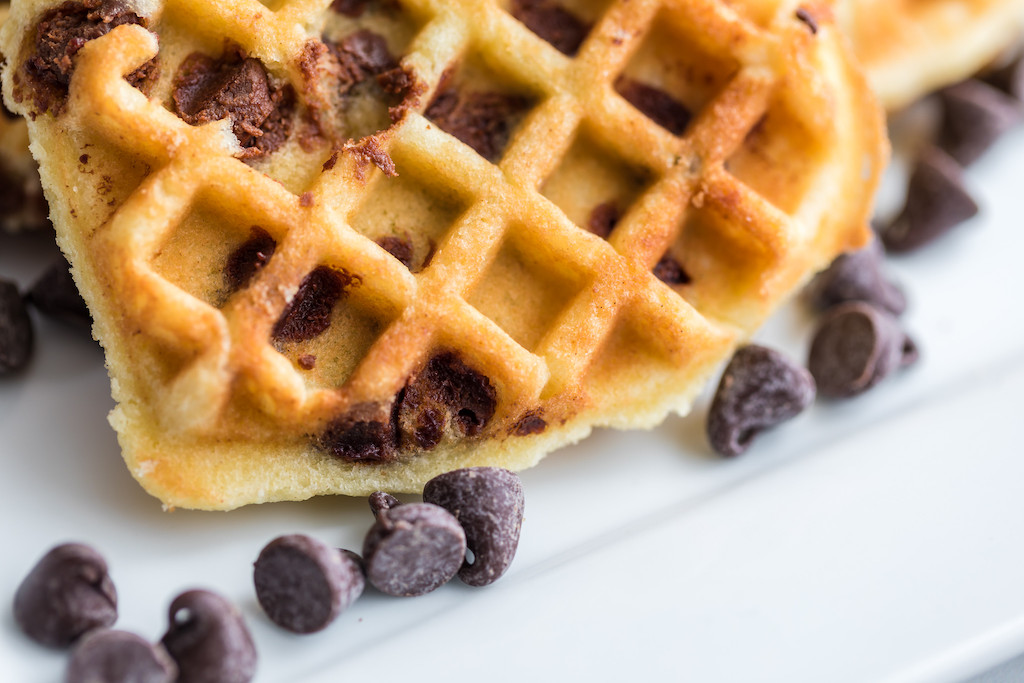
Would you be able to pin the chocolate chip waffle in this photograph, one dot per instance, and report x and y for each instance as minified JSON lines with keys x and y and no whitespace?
{"x":342,"y":247}
{"x":910,"y":48}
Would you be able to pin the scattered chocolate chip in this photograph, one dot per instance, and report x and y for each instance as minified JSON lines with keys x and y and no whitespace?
{"x":303,"y":584}
{"x":655,"y":104}
{"x":400,"y":248}
{"x":107,"y":656}
{"x":937,"y":201}
{"x":975,"y":115}
{"x":308,"y":315}
{"x":413,"y":549}
{"x":488,"y":502}
{"x":208,"y":640}
{"x":669,"y":271}
{"x":482,"y":120}
{"x":528,"y":424}
{"x":248,"y":258}
{"x":808,"y":18}
{"x":380,"y":500}
{"x":857,"y":276}
{"x":67,"y":594}
{"x":857,"y":346}
{"x":55,"y":294}
{"x":16,"y":333}
{"x":552,"y":22}
{"x":350,"y":8}
{"x":365,"y":433}
{"x":759,"y":389}
{"x":603,"y":219}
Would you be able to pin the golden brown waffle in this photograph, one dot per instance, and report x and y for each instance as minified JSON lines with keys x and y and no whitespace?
{"x":515,"y":329}
{"x":911,"y":47}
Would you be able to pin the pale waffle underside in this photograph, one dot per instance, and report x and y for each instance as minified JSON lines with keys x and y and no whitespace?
{"x":910,"y":48}
{"x":771,"y":179}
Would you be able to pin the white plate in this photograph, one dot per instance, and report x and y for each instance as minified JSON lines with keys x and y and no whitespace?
{"x":876,"y":539}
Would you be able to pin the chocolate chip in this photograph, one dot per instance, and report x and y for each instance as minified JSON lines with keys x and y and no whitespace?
{"x":398,"y":247}
{"x":350,"y":8}
{"x":380,"y":500}
{"x":975,"y":115}
{"x":808,"y":18}
{"x":1009,"y":78}
{"x":208,"y":640}
{"x":307,"y":361}
{"x":365,"y":433}
{"x":655,"y":104}
{"x":759,"y":389}
{"x":602,"y":219}
{"x":488,"y":502}
{"x":107,"y":656}
{"x":937,"y":201}
{"x":528,"y":424}
{"x":669,"y":271}
{"x":248,"y":258}
{"x":356,"y":558}
{"x":16,"y":333}
{"x":56,"y":295}
{"x":413,"y":549}
{"x":857,"y":346}
{"x":553,"y":23}
{"x":362,"y":55}
{"x":482,"y":120}
{"x":303,"y":584}
{"x":857,"y":276}
{"x":308,"y":315}
{"x":67,"y":594}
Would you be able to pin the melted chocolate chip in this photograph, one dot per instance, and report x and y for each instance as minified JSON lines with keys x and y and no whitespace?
{"x":482,"y":120}
{"x":119,"y":657}
{"x":759,"y":389}
{"x":975,"y":115}
{"x":488,"y":502}
{"x":303,"y":584}
{"x":67,"y":594}
{"x":16,"y":332}
{"x":362,"y":55}
{"x":413,"y":549}
{"x":309,"y":313}
{"x":655,"y":104}
{"x":400,"y":248}
{"x":528,"y":424}
{"x":669,"y":271}
{"x":364,"y":434}
{"x":208,"y":640}
{"x":307,"y":361}
{"x":552,"y":22}
{"x":603,"y":219}
{"x":60,"y":34}
{"x":350,"y":8}
{"x":248,"y":258}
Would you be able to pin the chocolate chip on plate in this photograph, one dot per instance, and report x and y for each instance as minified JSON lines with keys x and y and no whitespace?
{"x":108,"y":656}
{"x":975,"y":115}
{"x":67,"y":594}
{"x":488,"y":502}
{"x":379,"y":500}
{"x":413,"y":549}
{"x":937,"y":201}
{"x":208,"y":640}
{"x":857,"y":276}
{"x":16,"y":334}
{"x":303,"y":584}
{"x":55,"y":294}
{"x":856,"y":347}
{"x":759,"y":389}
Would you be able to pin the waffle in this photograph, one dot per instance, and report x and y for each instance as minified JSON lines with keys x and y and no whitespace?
{"x":472,"y":254}
{"x":912,"y":47}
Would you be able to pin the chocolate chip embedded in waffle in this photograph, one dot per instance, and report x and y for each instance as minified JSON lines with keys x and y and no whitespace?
{"x":910,"y":48}
{"x":472,"y":239}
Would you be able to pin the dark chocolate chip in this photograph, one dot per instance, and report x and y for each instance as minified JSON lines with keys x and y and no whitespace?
{"x":350,"y":8}
{"x":655,"y":104}
{"x":552,"y":22}
{"x":308,"y":315}
{"x":602,"y":219}
{"x":488,"y":502}
{"x":857,"y":276}
{"x":413,"y":549}
{"x":365,"y":433}
{"x":67,"y":594}
{"x":759,"y":389}
{"x":106,"y":656}
{"x":856,"y":347}
{"x":380,"y":500}
{"x":937,"y":201}
{"x":400,"y":248}
{"x":356,"y":558}
{"x":669,"y":271}
{"x":16,"y":332}
{"x":482,"y":120}
{"x":528,"y":424}
{"x":975,"y":115}
{"x":808,"y":18}
{"x":248,"y":258}
{"x":362,"y":55}
{"x":208,"y":640}
{"x":55,"y":294}
{"x":303,"y":584}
